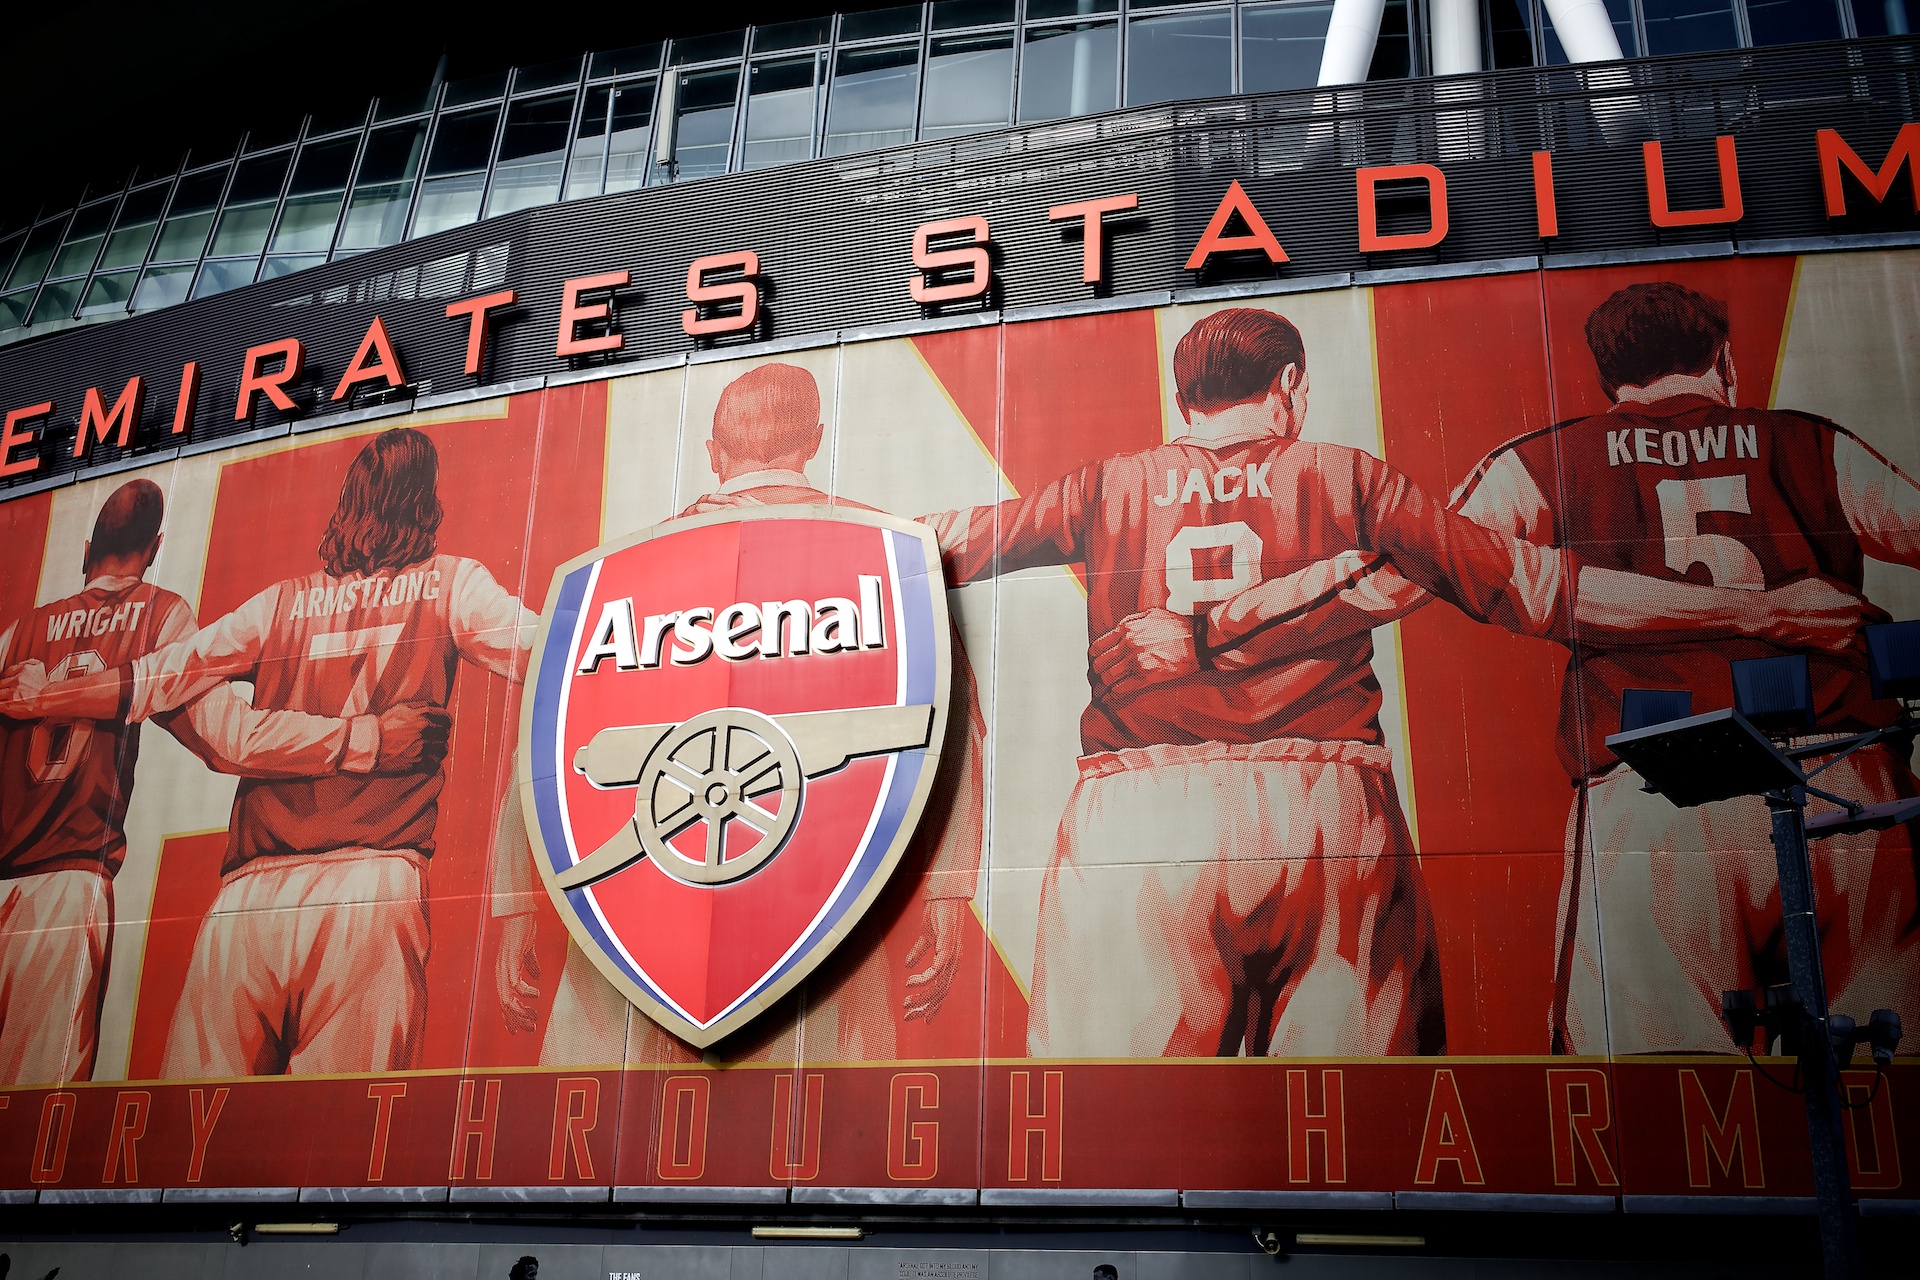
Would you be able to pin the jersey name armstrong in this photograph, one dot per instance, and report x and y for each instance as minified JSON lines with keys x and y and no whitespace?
{"x":832,"y":624}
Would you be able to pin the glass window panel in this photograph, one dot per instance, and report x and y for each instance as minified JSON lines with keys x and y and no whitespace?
{"x":1280,"y":46}
{"x":723,"y":44}
{"x":547,"y":75}
{"x":463,"y":143}
{"x":1038,"y":9}
{"x":872,"y":100}
{"x":948,"y":14}
{"x":57,"y":302}
{"x":163,"y":287}
{"x":109,"y":292}
{"x":1792,"y":21}
{"x":324,"y":166}
{"x":969,"y":85}
{"x":1393,"y":51}
{"x":307,"y":222}
{"x":1619,"y":11}
{"x":703,"y":127}
{"x":378,"y":213}
{"x":13,"y":308}
{"x":405,"y":104}
{"x":782,"y":104}
{"x":1689,"y":26}
{"x":258,"y":179}
{"x":133,"y":230}
{"x":1510,"y":33}
{"x":9,"y":246}
{"x":184,"y":234}
{"x":1183,"y":56}
{"x":286,"y":264}
{"x":448,"y":202}
{"x":625,"y":62}
{"x":630,"y":135}
{"x":589,"y":146}
{"x":218,"y":276}
{"x":37,"y":254}
{"x":325,"y":122}
{"x":533,"y":147}
{"x":792,"y":35}
{"x":475,"y":89}
{"x":880,"y":22}
{"x":1069,"y":71}
{"x":1884,"y":17}
{"x":82,"y":244}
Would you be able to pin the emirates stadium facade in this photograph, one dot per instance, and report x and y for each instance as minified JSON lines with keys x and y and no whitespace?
{"x":1320,"y":676}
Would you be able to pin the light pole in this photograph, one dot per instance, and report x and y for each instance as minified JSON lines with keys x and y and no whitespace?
{"x":1720,"y":755}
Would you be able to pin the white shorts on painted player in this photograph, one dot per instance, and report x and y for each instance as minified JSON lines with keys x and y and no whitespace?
{"x":1205,"y":898}
{"x":56,"y":930}
{"x":308,"y":965}
{"x":1683,"y":904}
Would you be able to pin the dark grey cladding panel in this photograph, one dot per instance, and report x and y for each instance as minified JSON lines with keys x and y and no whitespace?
{"x":834,"y":235}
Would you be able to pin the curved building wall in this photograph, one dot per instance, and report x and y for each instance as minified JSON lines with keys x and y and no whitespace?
{"x":1276,"y":859}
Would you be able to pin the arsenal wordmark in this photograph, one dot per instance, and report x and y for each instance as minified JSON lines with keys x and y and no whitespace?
{"x":733,"y":723}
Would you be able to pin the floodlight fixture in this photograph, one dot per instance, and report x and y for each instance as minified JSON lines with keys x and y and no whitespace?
{"x":1893,"y":659}
{"x":1741,"y":1013}
{"x":1705,"y":758}
{"x":1866,"y":817}
{"x":1642,"y":708}
{"x":1883,"y":1036}
{"x":1776,"y":694}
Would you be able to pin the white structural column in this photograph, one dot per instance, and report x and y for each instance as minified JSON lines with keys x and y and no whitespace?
{"x":1351,"y":34}
{"x":1585,"y":30}
{"x":1456,"y":36}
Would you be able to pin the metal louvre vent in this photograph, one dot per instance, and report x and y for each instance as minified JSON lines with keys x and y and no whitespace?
{"x":834,"y":236}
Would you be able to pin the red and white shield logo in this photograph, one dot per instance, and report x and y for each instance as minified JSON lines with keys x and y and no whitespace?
{"x":732,"y":726}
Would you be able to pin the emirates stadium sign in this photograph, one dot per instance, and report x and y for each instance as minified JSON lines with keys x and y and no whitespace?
{"x":716,"y":792}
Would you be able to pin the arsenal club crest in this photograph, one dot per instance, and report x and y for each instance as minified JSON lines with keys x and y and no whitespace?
{"x":731,"y":727}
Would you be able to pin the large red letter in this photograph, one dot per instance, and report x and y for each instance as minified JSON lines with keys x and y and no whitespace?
{"x":573,"y":315}
{"x":1330,"y":1122}
{"x":678,"y":1095}
{"x":1871,"y":1098}
{"x":97,"y":423}
{"x":1835,"y":152}
{"x":1723,"y":1133}
{"x":476,"y":311}
{"x":1730,"y":209}
{"x":571,"y":1125}
{"x":1371,"y":241}
{"x":1546,"y":210}
{"x":50,"y":1146}
{"x":1447,"y":1136}
{"x":384,"y":1096}
{"x":745,"y":291}
{"x":385,"y":365}
{"x":11,"y":439}
{"x":129,"y":1126}
{"x":1090,"y":212}
{"x":469,"y":1128}
{"x":913,"y":1146}
{"x":189,"y":395}
{"x":1024,"y":1122}
{"x":253,"y":380}
{"x":782,"y":1163}
{"x":927,"y":259}
{"x":1216,"y":240}
{"x":204,"y":1113}
{"x":1579,"y":1128}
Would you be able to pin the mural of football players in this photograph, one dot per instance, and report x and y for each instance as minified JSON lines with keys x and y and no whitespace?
{"x":68,"y":783}
{"x":1777,"y":509}
{"x":312,"y":959}
{"x":1233,"y":871}
{"x":766,"y":428}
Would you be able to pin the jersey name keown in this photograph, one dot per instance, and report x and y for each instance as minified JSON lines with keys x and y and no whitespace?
{"x":832,"y":624}
{"x":1631,"y":445}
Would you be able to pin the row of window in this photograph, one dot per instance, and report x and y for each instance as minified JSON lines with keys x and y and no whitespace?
{"x":739,"y":100}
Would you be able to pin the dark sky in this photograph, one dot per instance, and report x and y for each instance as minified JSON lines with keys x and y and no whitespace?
{"x":98,"y":87}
